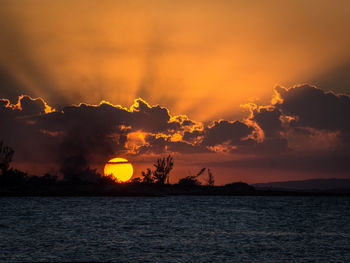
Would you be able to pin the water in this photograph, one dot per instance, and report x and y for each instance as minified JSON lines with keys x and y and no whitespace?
{"x":175,"y":229}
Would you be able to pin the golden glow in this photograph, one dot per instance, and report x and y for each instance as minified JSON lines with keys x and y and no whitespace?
{"x":119,"y":168}
{"x":179,"y":54}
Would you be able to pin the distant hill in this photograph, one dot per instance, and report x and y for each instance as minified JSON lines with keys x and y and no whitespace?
{"x":332,"y":185}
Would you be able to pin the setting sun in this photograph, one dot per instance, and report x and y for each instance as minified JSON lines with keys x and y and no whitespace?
{"x":119,"y":168}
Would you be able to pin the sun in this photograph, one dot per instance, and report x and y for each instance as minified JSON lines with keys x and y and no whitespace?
{"x":121,"y":169}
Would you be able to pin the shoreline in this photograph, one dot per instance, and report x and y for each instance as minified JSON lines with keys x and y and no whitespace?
{"x":257,"y":194}
{"x":62,"y":189}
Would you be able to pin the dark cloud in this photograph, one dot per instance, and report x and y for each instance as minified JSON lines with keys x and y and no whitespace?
{"x":147,"y":118}
{"x":272,"y":140}
{"x":31,"y":106}
{"x":315,"y":108}
{"x":223,"y":131}
{"x":20,"y":132}
{"x":161,"y":145}
{"x":222,"y":136}
{"x":192,"y":136}
{"x":305,"y":129}
{"x":78,"y":135}
{"x":268,"y":119}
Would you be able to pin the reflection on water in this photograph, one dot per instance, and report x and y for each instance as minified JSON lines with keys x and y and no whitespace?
{"x":175,"y":229}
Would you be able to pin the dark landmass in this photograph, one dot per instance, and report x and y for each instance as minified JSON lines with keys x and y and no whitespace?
{"x":143,"y":189}
{"x":331,"y":185}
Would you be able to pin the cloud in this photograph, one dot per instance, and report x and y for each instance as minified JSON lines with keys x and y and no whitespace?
{"x":315,"y":108}
{"x":226,"y":131}
{"x":304,"y":128}
{"x":149,"y":118}
{"x":268,"y":119}
{"x":30,"y":106}
{"x":76,"y":135}
{"x":164,"y":144}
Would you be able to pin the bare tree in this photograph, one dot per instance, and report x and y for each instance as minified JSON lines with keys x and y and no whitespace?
{"x":6,"y":154}
{"x":210,"y":179}
{"x":163,"y":168}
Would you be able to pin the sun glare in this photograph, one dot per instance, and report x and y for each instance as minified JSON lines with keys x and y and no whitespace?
{"x":120,"y":168}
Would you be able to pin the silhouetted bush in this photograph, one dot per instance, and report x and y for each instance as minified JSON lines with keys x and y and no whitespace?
{"x":46,"y":179}
{"x":82,"y":177}
{"x":13,"y":177}
{"x":192,"y":179}
{"x":136,"y":180}
{"x":189,"y":181}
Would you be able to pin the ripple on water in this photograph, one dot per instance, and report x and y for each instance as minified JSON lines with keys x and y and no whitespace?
{"x":175,"y":229}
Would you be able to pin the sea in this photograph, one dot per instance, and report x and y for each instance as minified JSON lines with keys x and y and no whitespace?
{"x":175,"y":229}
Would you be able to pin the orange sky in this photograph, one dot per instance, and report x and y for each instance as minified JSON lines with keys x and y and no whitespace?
{"x":201,"y":58}
{"x":204,"y":59}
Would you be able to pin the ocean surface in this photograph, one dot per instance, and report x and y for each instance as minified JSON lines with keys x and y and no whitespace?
{"x":175,"y":229}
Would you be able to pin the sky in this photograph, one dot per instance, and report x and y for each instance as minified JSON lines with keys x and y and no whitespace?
{"x":257,"y":91}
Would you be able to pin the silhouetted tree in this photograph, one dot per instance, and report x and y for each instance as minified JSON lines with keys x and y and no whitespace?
{"x":6,"y":154}
{"x":210,"y":180}
{"x":147,"y":176}
{"x":163,"y":168}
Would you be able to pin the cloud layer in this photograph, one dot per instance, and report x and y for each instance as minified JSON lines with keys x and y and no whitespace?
{"x":303,"y":129}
